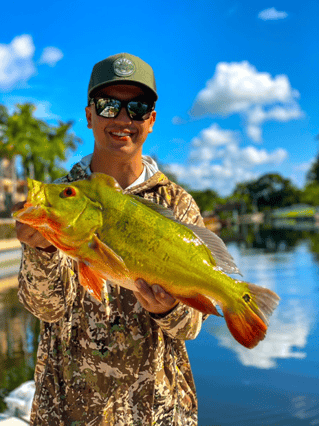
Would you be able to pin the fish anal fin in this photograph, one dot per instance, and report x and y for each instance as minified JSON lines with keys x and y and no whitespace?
{"x":107,"y":260}
{"x":201,"y":303}
{"x":91,"y":280}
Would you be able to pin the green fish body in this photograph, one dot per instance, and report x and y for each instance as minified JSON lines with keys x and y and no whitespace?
{"x":122,"y":237}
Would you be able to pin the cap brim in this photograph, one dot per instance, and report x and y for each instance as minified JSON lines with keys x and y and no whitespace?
{"x":146,"y":88}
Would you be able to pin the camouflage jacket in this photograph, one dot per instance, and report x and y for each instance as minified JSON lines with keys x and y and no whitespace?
{"x":109,"y":363}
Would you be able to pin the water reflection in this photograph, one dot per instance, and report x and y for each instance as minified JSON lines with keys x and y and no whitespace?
{"x":268,"y":239}
{"x":19,"y":332}
{"x":290,"y":273}
{"x":286,"y":336}
{"x":306,"y":407}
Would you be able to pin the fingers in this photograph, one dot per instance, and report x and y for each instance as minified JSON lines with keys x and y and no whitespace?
{"x":18,"y":206}
{"x":154,"y":298}
{"x":30,"y":236}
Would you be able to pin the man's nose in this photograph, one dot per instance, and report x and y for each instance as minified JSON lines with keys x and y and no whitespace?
{"x":123,"y":116}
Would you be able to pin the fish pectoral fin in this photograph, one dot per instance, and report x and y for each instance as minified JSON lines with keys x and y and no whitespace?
{"x":112,"y":264}
{"x":91,"y":280}
{"x":200,"y":302}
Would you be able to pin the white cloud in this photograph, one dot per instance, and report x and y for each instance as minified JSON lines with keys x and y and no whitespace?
{"x":50,"y":56}
{"x":43,"y":111}
{"x":23,"y":47}
{"x":272,"y":14}
{"x":254,"y":132}
{"x":42,"y":108}
{"x":178,"y":120}
{"x":214,"y":136}
{"x":235,"y":87}
{"x":238,"y":88}
{"x":305,"y":167}
{"x":216,"y":160}
{"x":16,"y":61}
{"x":17,"y":64}
{"x":208,"y":144}
{"x":257,"y":115}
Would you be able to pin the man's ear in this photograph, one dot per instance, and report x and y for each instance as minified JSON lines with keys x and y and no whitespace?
{"x":88,"y":113}
{"x":152,"y":121}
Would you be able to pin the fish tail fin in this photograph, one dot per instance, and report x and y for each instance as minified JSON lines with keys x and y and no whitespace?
{"x":248,"y":324}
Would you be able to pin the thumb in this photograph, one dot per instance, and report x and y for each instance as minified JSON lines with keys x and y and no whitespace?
{"x":18,"y":206}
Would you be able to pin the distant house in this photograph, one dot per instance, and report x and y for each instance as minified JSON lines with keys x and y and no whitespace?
{"x":299,"y":216}
{"x":12,"y":189}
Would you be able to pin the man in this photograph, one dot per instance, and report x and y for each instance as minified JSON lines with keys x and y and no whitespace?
{"x":122,"y":361}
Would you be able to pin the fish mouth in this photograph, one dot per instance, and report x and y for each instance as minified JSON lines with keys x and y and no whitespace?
{"x":36,"y":205}
{"x":26,"y":209}
{"x":33,"y":215}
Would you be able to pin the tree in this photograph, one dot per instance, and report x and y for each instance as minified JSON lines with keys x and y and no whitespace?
{"x":42,"y":147}
{"x":310,"y":194}
{"x":272,"y":190}
{"x":313,"y":174}
{"x":269,"y":191}
{"x":206,"y":200}
{"x":241,"y":194}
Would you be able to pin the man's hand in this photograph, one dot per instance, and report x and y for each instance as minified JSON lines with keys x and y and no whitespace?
{"x":30,"y":236}
{"x":153,"y":298}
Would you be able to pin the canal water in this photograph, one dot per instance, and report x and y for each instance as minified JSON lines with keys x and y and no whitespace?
{"x":275,"y":383}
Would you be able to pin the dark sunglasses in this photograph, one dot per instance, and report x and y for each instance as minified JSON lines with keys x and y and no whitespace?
{"x":111,"y":107}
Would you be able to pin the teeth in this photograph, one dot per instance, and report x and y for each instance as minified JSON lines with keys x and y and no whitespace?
{"x":120,"y":134}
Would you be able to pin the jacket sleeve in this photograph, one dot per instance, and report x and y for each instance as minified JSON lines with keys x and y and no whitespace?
{"x":47,"y":283}
{"x":183,"y":322}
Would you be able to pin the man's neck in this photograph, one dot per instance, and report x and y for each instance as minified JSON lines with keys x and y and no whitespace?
{"x":125,"y":172}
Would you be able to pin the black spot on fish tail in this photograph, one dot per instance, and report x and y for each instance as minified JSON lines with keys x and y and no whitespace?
{"x":246,"y":298}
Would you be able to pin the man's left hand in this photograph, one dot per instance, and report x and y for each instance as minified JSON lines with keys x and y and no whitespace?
{"x":153,"y":298}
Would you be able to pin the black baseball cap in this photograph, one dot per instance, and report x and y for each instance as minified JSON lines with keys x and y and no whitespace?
{"x":123,"y":68}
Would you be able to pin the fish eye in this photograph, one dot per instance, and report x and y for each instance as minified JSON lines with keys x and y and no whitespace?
{"x":69,"y":192}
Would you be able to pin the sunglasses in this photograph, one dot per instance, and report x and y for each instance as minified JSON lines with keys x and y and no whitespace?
{"x":111,"y":107}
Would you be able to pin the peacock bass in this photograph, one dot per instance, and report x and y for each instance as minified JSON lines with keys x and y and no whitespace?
{"x":122,"y":237}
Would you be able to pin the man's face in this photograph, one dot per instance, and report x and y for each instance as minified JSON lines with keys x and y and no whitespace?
{"x":120,"y":136}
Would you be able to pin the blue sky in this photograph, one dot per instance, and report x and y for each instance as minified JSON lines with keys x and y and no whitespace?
{"x":237,"y":80}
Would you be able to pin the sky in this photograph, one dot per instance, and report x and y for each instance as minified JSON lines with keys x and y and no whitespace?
{"x":237,"y":80}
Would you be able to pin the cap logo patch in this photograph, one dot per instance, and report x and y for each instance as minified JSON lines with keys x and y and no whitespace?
{"x":123,"y":67}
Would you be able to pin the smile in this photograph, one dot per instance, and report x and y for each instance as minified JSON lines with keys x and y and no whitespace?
{"x":121,"y":134}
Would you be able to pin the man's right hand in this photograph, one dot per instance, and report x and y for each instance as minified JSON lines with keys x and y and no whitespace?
{"x":30,"y":236}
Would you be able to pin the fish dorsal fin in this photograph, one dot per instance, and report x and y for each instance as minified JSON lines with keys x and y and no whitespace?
{"x":164,"y":211}
{"x":103,"y":179}
{"x":216,"y":245}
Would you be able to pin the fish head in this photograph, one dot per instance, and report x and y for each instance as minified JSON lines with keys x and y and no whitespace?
{"x":62,"y":213}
